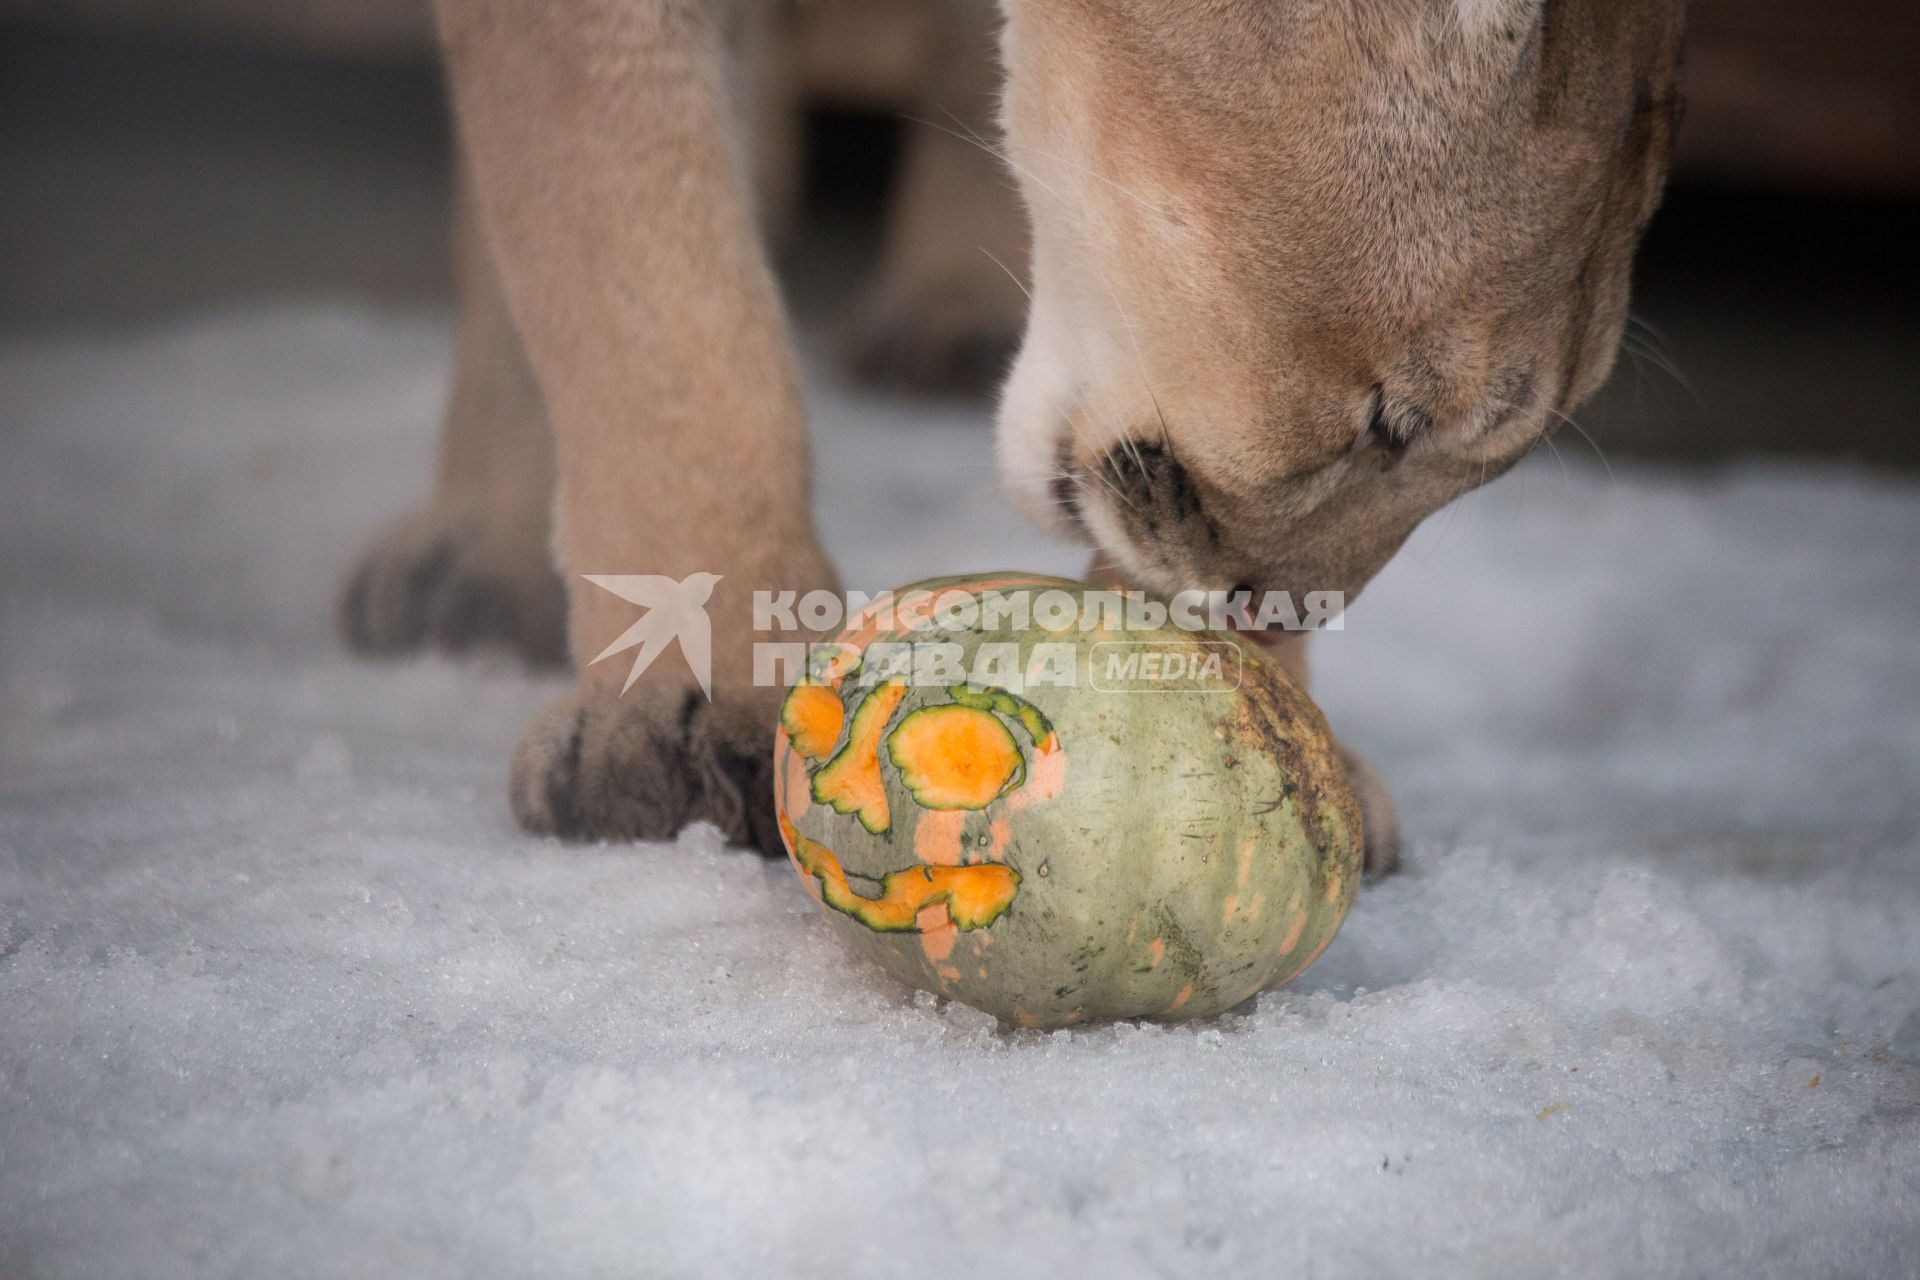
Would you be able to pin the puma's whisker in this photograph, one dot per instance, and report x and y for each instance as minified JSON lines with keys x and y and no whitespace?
{"x":1591,"y":442}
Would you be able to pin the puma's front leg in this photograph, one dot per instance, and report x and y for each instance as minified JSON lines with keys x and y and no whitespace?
{"x":472,"y":565}
{"x":614,"y":191}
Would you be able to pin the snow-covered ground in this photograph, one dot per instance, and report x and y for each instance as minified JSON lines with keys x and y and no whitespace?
{"x":284,"y":993}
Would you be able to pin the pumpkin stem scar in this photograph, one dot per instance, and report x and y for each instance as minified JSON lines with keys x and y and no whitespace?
{"x":975,"y":896}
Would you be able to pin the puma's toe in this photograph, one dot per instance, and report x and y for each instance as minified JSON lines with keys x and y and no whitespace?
{"x":1378,"y":816}
{"x":642,"y":766}
{"x":450,"y":581}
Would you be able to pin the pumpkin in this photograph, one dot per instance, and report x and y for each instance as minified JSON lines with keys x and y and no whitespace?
{"x":850,"y":782}
{"x":1103,"y":820}
{"x":811,"y":718}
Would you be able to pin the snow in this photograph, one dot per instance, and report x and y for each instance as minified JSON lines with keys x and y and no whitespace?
{"x":284,"y":993}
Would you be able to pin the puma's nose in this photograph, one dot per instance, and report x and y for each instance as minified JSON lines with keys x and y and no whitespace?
{"x":1154,"y":485}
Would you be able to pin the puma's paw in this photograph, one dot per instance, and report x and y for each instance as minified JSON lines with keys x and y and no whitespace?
{"x":1378,"y":817}
{"x":642,"y":766}
{"x":937,"y":336}
{"x":451,"y":578}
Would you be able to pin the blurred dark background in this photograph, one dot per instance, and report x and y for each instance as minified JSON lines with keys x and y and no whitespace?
{"x":163,"y":155}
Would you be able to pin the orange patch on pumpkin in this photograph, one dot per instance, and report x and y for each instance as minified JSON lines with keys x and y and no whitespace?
{"x":790,"y":838}
{"x":1298,"y":927}
{"x":954,"y":757}
{"x":812,"y":717}
{"x":1295,"y":971}
{"x":1186,"y":994}
{"x":1244,"y":871}
{"x":796,"y":786}
{"x":851,"y":781}
{"x":1046,"y":776}
{"x":969,"y":897}
{"x":937,"y":934}
{"x":1317,"y":951}
{"x":936,"y":840}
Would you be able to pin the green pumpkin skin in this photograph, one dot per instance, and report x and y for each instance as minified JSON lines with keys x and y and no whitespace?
{"x":1191,"y":844}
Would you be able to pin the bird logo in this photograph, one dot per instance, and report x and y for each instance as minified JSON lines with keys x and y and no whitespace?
{"x":675,"y":610}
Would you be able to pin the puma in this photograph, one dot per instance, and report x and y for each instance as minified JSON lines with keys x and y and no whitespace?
{"x":1301,"y":273}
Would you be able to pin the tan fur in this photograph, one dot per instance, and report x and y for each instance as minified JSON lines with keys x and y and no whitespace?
{"x":615,"y":194}
{"x":1302,"y":272}
{"x":472,"y":566}
{"x":1248,"y":221}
